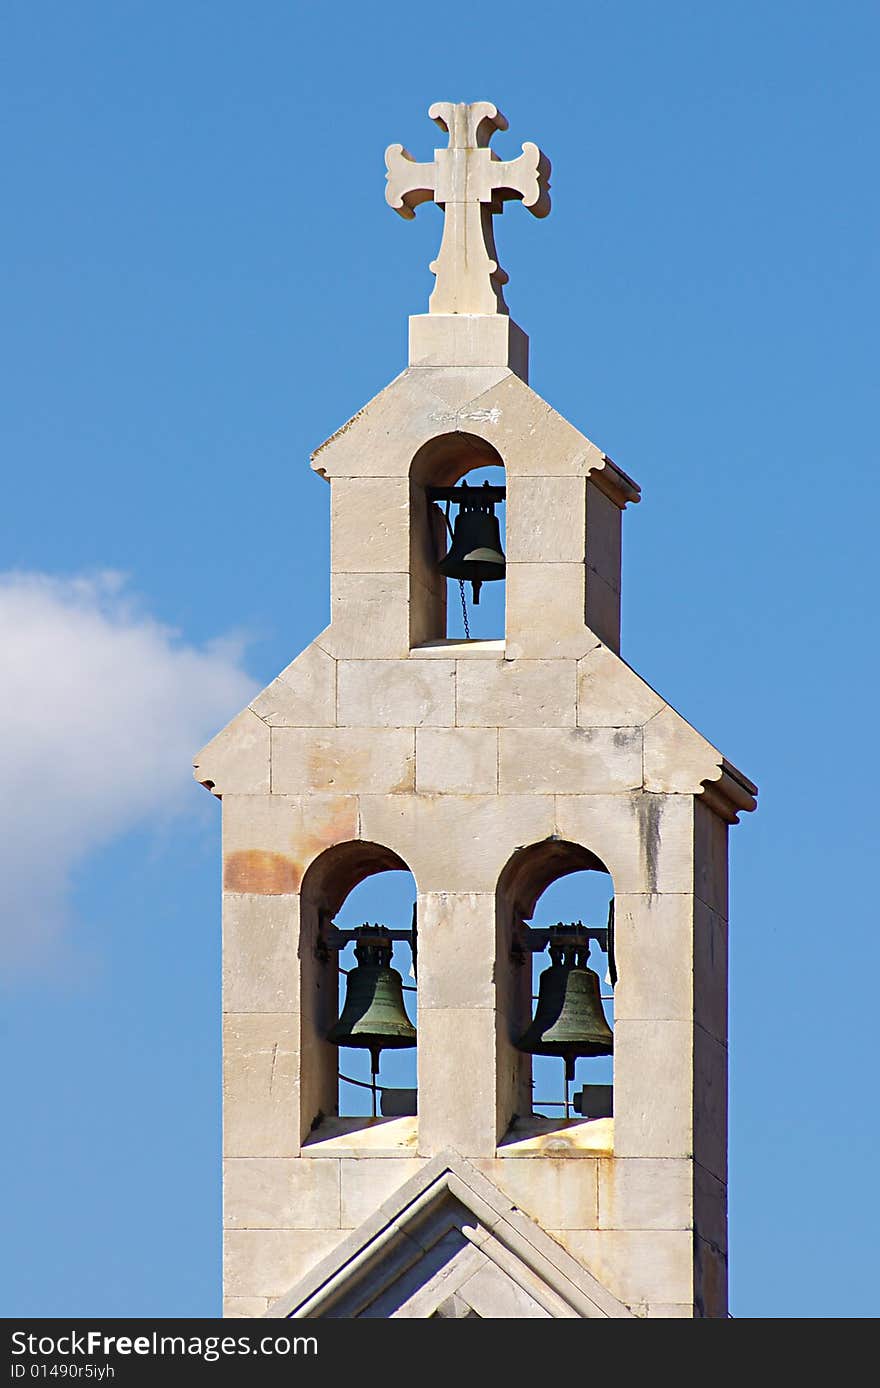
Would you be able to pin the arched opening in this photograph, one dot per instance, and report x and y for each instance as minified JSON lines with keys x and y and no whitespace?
{"x":555,"y":922}
{"x":358,"y":1059}
{"x":443,"y":608}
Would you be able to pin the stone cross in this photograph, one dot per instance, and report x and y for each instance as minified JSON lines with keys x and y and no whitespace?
{"x":471,"y":184}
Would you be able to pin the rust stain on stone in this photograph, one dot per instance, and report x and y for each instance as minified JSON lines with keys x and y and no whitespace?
{"x":258,"y":873}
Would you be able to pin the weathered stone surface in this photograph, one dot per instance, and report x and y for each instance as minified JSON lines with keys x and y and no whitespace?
{"x":653,"y":943}
{"x":659,"y":1310}
{"x":556,"y":1192}
{"x":602,"y":610}
{"x":603,"y":536}
{"x":260,"y":1083}
{"x":342,"y":760}
{"x":457,"y":949}
{"x":456,"y":1109}
{"x":653,"y":1089}
{"x":532,"y":438}
{"x":280,"y":1193}
{"x":303,"y":695}
{"x":266,"y":1262}
{"x":369,"y":617}
{"x":573,"y":761}
{"x":457,"y":761}
{"x":643,"y":840}
{"x":366,"y":1182}
{"x":710,"y":1277}
{"x":645,"y":1194}
{"x":639,"y":1266}
{"x":546,"y":520}
{"x":710,"y":1103}
{"x":710,"y":971}
{"x":260,"y":953}
{"x":369,"y":525}
{"x":392,"y":693}
{"x":455,"y":843}
{"x":236,"y":761}
{"x":269,"y":841}
{"x":468,"y":339}
{"x":381,"y":439}
{"x":516,"y":694}
{"x":458,"y":385}
{"x":677,"y":758}
{"x":710,"y":1208}
{"x":244,"y":1307}
{"x":611,"y":695}
{"x":546,"y":612}
{"x":710,"y":858}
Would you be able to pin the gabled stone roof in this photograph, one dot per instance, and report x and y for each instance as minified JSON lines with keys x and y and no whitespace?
{"x":448,"y":1244}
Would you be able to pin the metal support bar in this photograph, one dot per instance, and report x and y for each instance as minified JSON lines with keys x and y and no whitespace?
{"x":466,"y":493}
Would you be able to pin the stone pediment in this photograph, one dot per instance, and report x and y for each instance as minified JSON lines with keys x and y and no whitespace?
{"x":490,"y":403}
{"x":604,"y":693}
{"x":448,"y":1244}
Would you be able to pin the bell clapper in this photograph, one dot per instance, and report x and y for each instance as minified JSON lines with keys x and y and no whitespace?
{"x":375,"y":1052}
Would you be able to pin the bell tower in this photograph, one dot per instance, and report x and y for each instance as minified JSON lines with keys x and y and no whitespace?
{"x":490,"y":770}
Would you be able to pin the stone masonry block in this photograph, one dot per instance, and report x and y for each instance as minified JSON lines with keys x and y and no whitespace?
{"x":710,"y":858}
{"x":532,"y":438}
{"x":555,"y":1192}
{"x":367,"y":1182}
{"x":639,"y":1266}
{"x":645,"y":841}
{"x":516,"y":693}
{"x":260,"y":1083}
{"x":382,"y":438}
{"x":710,"y":971}
{"x":454,"y":843}
{"x":303,"y":695}
{"x":602,"y":610}
{"x":459,"y":761}
{"x":344,"y":760}
{"x":236,"y":761}
{"x":270,"y":840}
{"x":260,"y":966}
{"x":280,"y":1193}
{"x":237,"y":1308}
{"x":457,"y":949}
{"x":653,"y":1089}
{"x":575,"y":761}
{"x":456,"y":1110}
{"x":369,"y":616}
{"x":546,"y":520}
{"x":546,"y":607}
{"x":645,"y":1194}
{"x":710,"y":1103}
{"x":392,"y":693}
{"x":677,"y":758}
{"x":369,"y":525}
{"x":267,"y":1262}
{"x":611,"y":695}
{"x":653,"y":947}
{"x":710,"y":1208}
{"x":603,"y":536}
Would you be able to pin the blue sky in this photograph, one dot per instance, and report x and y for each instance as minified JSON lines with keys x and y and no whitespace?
{"x":200,"y":282}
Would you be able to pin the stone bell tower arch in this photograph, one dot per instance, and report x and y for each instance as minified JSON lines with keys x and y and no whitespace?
{"x":488,"y":769}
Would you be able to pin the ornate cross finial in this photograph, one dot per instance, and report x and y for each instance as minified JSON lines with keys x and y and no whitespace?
{"x":471,"y":184}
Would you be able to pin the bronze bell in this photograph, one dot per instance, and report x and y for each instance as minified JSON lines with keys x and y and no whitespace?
{"x":569,"y":1019}
{"x":475,"y":553}
{"x":373,"y":1015}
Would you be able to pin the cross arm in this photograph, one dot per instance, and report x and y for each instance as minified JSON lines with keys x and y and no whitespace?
{"x":527,"y":177}
{"x":408,"y":183}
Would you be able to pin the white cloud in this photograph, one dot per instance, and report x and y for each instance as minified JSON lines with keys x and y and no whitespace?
{"x":101,"y":711}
